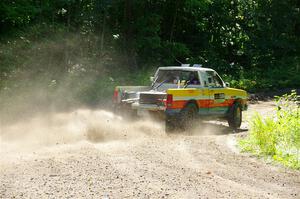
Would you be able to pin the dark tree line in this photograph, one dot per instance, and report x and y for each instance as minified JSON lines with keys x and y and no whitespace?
{"x":237,"y":37}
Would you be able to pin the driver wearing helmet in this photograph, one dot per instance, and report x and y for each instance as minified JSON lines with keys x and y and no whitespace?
{"x":193,"y":79}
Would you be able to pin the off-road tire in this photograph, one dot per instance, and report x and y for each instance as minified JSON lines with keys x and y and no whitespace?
{"x":235,"y":116}
{"x":188,"y":116}
{"x":171,"y":124}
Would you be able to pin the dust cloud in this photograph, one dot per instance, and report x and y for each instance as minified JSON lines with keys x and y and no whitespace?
{"x":87,"y":125}
{"x":94,"y":126}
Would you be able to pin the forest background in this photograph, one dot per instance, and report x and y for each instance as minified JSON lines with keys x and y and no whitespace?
{"x":74,"y":52}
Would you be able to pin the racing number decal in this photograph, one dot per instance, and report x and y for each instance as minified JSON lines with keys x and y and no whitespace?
{"x":219,"y":97}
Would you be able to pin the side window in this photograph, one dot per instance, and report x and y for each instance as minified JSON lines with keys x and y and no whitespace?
{"x":218,"y":81}
{"x":205,"y":78}
{"x":213,"y":79}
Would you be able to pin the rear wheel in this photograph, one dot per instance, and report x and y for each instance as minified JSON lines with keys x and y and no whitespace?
{"x":171,"y":124}
{"x":189,"y":115}
{"x":235,"y":116}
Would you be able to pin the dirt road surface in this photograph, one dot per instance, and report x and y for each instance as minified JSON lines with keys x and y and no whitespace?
{"x":94,"y":154}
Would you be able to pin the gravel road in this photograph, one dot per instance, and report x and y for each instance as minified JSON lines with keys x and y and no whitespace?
{"x":94,"y":154}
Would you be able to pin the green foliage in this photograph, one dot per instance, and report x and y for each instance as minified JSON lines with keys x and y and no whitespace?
{"x":277,"y":137}
{"x":17,"y":13}
{"x":245,"y":84}
{"x":255,"y":43}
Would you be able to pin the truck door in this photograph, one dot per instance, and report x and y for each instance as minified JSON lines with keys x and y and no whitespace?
{"x":196,"y":81}
{"x":217,"y":94}
{"x":203,"y":98}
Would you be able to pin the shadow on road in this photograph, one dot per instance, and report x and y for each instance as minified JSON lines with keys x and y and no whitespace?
{"x":213,"y":128}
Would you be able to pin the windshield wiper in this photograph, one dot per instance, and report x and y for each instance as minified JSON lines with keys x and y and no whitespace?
{"x":187,"y":83}
{"x":153,"y":83}
{"x":161,"y":83}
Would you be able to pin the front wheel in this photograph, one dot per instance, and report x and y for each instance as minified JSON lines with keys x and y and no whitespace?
{"x":235,"y":116}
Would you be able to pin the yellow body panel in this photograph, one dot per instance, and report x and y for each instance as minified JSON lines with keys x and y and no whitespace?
{"x":187,"y":92}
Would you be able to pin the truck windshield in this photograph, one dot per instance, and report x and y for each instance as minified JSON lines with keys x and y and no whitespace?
{"x":173,"y":76}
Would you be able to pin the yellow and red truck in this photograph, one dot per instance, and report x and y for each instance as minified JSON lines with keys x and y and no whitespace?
{"x":182,"y":94}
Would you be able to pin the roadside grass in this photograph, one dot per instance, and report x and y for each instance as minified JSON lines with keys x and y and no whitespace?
{"x":277,"y":137}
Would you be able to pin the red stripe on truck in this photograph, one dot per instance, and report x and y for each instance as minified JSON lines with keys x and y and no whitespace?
{"x":205,"y":103}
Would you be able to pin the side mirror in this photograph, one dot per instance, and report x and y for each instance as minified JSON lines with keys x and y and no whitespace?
{"x":227,"y":84}
{"x":151,"y":79}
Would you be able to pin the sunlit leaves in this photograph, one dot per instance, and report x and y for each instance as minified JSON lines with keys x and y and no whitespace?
{"x":277,"y":137}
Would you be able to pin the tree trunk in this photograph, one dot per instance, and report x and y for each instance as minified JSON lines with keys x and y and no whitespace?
{"x":174,"y":21}
{"x":69,"y":16}
{"x":102,"y":34}
{"x":128,"y":36}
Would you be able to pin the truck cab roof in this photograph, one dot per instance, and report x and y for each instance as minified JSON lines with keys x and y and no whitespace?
{"x":186,"y":68}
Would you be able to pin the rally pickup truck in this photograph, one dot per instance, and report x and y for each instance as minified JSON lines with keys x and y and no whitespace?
{"x":182,"y":94}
